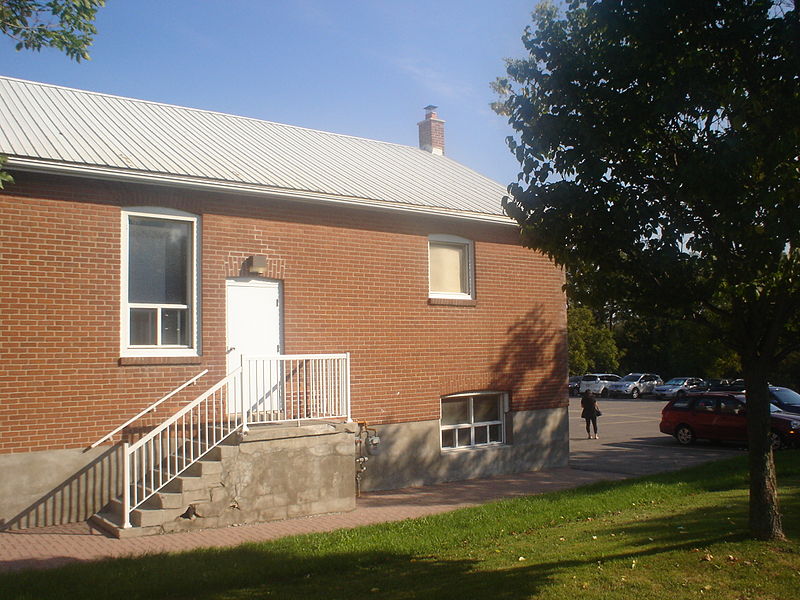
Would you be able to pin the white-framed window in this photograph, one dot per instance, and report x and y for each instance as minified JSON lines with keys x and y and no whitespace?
{"x":451,"y":271}
{"x":473,"y":419}
{"x":160,"y":267}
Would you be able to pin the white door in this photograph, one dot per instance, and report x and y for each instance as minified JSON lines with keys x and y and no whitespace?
{"x":254,"y":330}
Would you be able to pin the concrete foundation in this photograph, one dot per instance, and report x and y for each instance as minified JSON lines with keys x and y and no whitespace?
{"x":280,"y":471}
{"x":410,"y":454}
{"x":55,"y":487}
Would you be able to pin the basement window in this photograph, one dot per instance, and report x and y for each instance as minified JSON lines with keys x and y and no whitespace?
{"x":450,"y":267}
{"x":473,"y":419}
{"x":159,"y":283}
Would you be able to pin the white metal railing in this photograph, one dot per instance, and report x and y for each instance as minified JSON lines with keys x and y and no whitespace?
{"x":294,"y":387}
{"x":160,"y":456}
{"x":149,"y":409}
{"x":265,"y":389}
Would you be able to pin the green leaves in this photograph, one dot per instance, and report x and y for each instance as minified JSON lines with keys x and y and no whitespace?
{"x":4,"y":176}
{"x":658,"y":142}
{"x":66,"y":25}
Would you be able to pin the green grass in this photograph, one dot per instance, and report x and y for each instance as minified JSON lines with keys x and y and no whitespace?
{"x":676,"y":535}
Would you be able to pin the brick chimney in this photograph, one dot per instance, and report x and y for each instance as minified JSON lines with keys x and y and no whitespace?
{"x":431,"y":132}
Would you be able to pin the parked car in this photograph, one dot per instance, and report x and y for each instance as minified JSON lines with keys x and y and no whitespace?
{"x":723,"y":416}
{"x":597,"y":382}
{"x":679,"y":386}
{"x":573,"y":385}
{"x":785,"y":399}
{"x":634,"y":385}
{"x":725,"y":385}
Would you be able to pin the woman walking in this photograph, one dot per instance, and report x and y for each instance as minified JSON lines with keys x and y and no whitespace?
{"x":590,"y":412}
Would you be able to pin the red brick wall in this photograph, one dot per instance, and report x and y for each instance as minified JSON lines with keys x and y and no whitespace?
{"x":354,"y":280}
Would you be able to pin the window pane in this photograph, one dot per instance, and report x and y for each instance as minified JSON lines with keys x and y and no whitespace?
{"x":158,"y":261}
{"x":448,"y":268}
{"x":174,"y":331}
{"x":495,"y":433}
{"x":464,"y":436}
{"x":486,"y":408}
{"x":481,"y":434}
{"x":143,"y":326}
{"x":455,"y":412}
{"x":448,"y":438}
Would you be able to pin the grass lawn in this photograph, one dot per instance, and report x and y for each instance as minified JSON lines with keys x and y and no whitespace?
{"x":677,"y":535}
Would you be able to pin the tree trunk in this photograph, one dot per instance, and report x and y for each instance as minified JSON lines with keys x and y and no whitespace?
{"x":765,"y":516}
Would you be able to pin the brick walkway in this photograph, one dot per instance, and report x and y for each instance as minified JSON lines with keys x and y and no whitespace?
{"x":53,"y":546}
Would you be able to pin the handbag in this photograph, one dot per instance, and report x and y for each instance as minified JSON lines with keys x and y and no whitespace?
{"x":597,"y":412}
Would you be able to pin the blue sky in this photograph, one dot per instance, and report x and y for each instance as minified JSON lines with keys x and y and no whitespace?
{"x":359,"y":67}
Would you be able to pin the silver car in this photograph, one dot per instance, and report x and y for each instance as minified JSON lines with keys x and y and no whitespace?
{"x":635,"y":384}
{"x":678,"y":387}
{"x":598,"y":383}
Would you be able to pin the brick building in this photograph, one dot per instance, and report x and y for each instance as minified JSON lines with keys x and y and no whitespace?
{"x":142,"y":244}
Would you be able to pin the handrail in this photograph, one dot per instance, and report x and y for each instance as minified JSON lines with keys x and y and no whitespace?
{"x":176,"y":444}
{"x":152,"y":434}
{"x":318,"y":388}
{"x":150,"y":408}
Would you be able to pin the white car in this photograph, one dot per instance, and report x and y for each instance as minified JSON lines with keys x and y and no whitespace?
{"x":634,"y":385}
{"x":677,"y":387}
{"x":597,"y":383}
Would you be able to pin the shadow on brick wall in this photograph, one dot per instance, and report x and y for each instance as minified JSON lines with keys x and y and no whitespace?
{"x":533,"y":362}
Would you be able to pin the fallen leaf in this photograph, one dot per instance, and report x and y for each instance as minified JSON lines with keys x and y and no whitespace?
{"x":707,"y":557}
{"x":521,"y":558}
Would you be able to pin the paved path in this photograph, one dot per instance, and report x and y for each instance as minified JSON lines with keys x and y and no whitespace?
{"x":629,"y":445}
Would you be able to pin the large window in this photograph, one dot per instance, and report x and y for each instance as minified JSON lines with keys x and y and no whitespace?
{"x":450,"y":267}
{"x":474,"y":419}
{"x":159,"y":283}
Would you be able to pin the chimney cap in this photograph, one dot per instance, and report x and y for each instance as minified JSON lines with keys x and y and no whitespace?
{"x":431,"y":108}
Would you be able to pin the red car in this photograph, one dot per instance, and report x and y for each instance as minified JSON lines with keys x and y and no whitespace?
{"x":721,"y":416}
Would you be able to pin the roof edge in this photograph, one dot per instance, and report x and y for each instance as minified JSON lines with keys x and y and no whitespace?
{"x":109,"y":174}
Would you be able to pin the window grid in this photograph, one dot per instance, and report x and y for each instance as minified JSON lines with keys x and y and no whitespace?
{"x":473,"y":433}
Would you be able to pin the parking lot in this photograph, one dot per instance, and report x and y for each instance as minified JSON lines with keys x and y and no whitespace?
{"x":630,"y":442}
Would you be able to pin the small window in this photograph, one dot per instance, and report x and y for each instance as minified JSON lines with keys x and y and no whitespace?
{"x":159,"y":283}
{"x":472,"y":420}
{"x":450,"y":265}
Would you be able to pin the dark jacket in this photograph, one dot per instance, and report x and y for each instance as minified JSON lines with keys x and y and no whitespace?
{"x":589,"y":405}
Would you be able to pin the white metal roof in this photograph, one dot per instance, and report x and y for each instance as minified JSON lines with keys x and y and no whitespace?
{"x":50,"y":128}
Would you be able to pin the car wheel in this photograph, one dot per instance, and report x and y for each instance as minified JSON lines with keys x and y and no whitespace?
{"x":684,"y":435}
{"x":635,"y":393}
{"x":604,"y":393}
{"x":775,"y":440}
{"x":680,"y":394}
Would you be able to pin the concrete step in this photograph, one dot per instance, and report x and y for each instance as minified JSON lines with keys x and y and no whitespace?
{"x":110,"y":523}
{"x":153,"y":517}
{"x":176,"y":499}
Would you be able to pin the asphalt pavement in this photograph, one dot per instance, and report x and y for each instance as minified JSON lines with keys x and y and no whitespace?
{"x":630,"y":442}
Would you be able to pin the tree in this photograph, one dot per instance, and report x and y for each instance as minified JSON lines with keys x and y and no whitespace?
{"x":658,"y":144}
{"x":67,"y":25}
{"x":591,"y":345}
